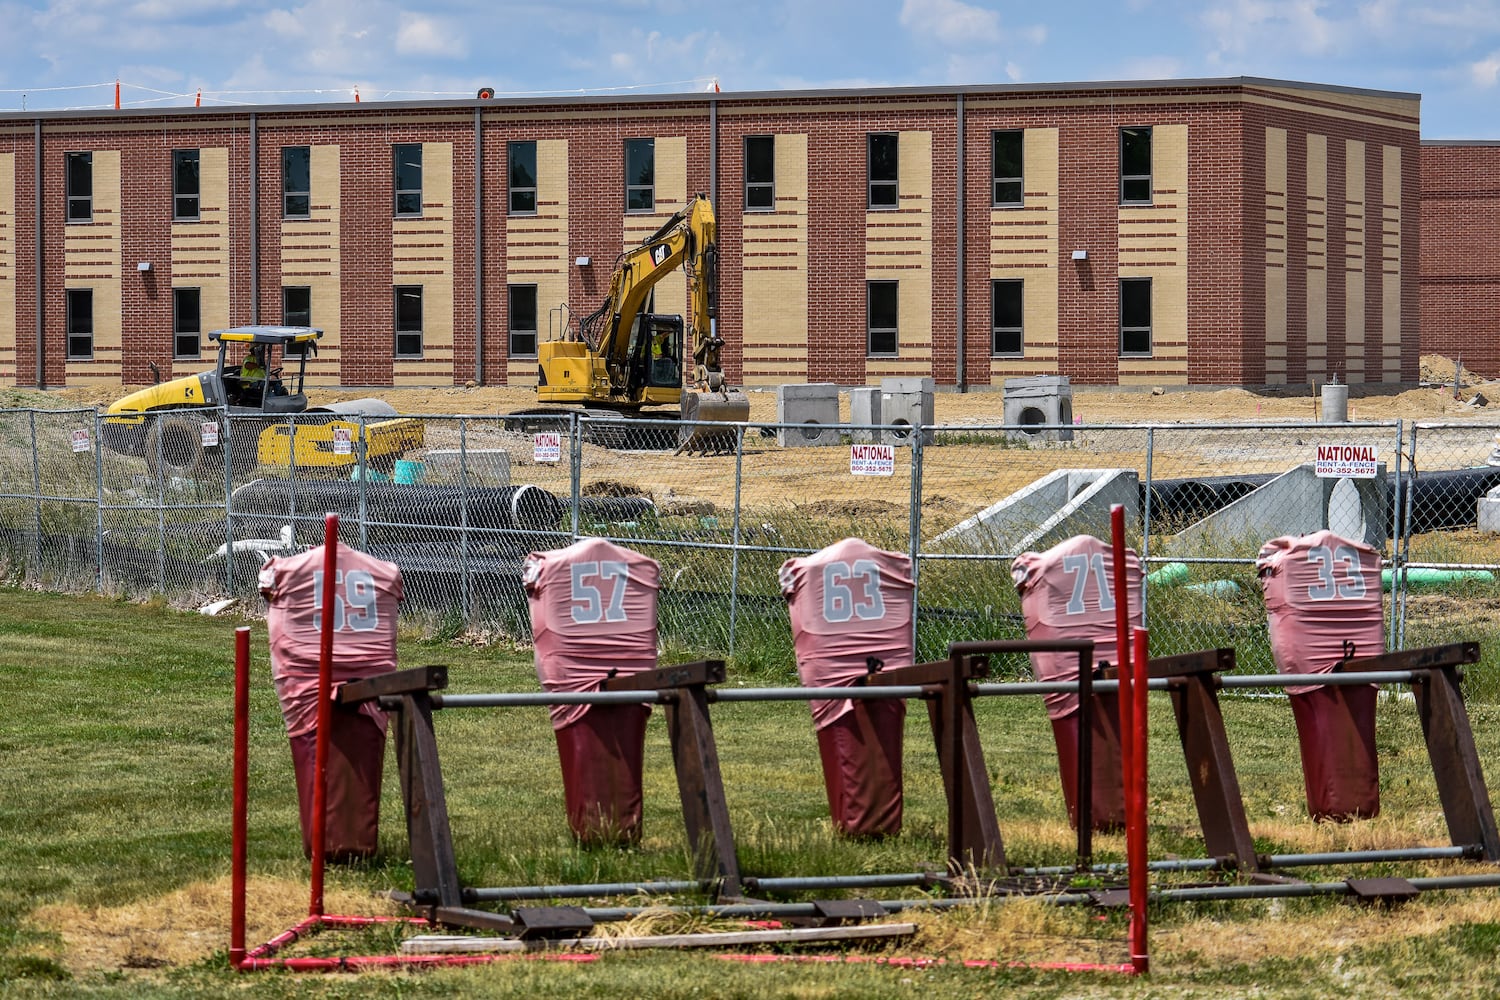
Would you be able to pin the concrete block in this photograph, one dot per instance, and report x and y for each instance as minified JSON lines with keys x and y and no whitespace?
{"x":486,"y":466}
{"x":1489,"y":511}
{"x":1058,"y":506}
{"x":1040,"y":400}
{"x":907,"y":402}
{"x":864,"y":408}
{"x":815,"y":407}
{"x":1299,"y":503}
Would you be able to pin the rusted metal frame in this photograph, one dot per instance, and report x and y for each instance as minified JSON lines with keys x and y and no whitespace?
{"x":1455,"y":760}
{"x":974,"y":841}
{"x":695,"y":757}
{"x":1453,"y":654}
{"x":1205,"y":749}
{"x":1083,"y":784}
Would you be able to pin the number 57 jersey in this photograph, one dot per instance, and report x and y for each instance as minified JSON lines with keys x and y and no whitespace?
{"x":848,"y":602}
{"x":593,"y":612}
{"x":1321,"y":590}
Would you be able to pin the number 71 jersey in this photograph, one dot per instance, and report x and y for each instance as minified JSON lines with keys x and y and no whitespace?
{"x":593,"y":611}
{"x":1068,"y":592}
{"x":1321,"y":590}
{"x":848,"y":602}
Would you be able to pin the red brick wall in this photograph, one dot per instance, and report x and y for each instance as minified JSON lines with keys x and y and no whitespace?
{"x":1460,"y":289}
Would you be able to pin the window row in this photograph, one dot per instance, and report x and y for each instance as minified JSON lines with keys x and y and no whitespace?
{"x":1007,"y":312}
{"x":1007,"y":162}
{"x":1007,"y":328}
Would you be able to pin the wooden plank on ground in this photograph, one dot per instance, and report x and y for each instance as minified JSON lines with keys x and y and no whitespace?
{"x":444,"y":944}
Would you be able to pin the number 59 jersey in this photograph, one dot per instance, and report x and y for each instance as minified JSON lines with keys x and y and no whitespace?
{"x":1321,"y":590}
{"x":593,"y":611}
{"x":366,"y":593}
{"x":848,"y":602}
{"x":1068,"y":592}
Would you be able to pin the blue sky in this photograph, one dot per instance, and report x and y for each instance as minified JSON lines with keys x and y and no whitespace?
{"x":240,"y":52}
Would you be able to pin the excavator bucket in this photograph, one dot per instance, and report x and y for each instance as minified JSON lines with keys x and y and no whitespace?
{"x":699,"y":434}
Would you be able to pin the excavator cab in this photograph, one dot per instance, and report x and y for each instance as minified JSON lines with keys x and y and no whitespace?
{"x":656,"y":341}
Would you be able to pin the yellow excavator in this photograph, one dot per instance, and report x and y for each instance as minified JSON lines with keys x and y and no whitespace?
{"x":620,"y":360}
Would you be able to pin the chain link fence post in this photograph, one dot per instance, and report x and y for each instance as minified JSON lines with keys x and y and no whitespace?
{"x":575,"y":474}
{"x":99,"y":504}
{"x":734,"y":556}
{"x":36,"y":490}
{"x":465,"y":593}
{"x":1146,"y":531}
{"x":914,"y":526}
{"x":1409,"y":501}
{"x":363,"y":492}
{"x":1397,"y":524}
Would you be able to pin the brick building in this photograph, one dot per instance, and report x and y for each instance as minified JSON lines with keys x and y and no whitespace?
{"x":1208,"y":232}
{"x":1461,"y":253}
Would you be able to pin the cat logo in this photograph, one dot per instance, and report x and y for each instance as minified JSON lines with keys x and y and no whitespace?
{"x":660,"y":253}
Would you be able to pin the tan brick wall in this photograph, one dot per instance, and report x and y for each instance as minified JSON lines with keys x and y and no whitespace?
{"x":1354,"y":261}
{"x":422,"y":254}
{"x":1024,"y":244}
{"x":7,"y":269}
{"x":774,"y":310}
{"x":91,"y":259}
{"x":671,"y":195}
{"x":536,"y":253}
{"x":1276,"y":256}
{"x":1317,"y":257}
{"x":898,"y":246}
{"x":312,"y":255}
{"x":1390,"y":264}
{"x":200,"y":253}
{"x":1154,"y":244}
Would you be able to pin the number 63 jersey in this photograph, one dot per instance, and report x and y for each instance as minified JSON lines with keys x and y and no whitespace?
{"x":1321,"y":589}
{"x":593,"y":612}
{"x":848,"y":602}
{"x":365,"y":595}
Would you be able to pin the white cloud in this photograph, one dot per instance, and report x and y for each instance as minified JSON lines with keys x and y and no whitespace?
{"x":951,"y":22}
{"x":1486,"y":72}
{"x":424,"y":36}
{"x":1152,"y":68}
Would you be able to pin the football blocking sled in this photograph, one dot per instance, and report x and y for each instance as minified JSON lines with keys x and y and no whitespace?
{"x":1322,"y":594}
{"x":366,"y":592}
{"x":851,"y":615}
{"x":593,"y":618}
{"x":1067,"y":593}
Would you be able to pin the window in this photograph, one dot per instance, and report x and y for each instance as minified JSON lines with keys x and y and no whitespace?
{"x":1005,"y":314}
{"x":296,"y":182}
{"x":406,"y":158}
{"x":760,"y":173}
{"x":1007,"y":159}
{"x":1135,"y":166}
{"x":296,"y":305}
{"x":882,"y":148}
{"x":881,"y":300}
{"x":187,"y":327}
{"x":185,"y":185}
{"x":523,"y":178}
{"x":1135,"y":317}
{"x":408,"y":321}
{"x":640,"y":175}
{"x":80,"y":187}
{"x":523,"y":321}
{"x":80,"y":324}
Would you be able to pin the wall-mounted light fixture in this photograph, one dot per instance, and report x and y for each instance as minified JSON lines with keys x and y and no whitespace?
{"x":1080,"y":255}
{"x":144,"y":265}
{"x":583,"y":261}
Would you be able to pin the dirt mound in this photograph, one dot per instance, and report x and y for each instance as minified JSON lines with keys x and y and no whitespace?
{"x":852,"y":508}
{"x":611,"y":488}
{"x":1438,"y":370}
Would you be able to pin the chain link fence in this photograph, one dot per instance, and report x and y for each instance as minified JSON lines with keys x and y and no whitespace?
{"x":189,"y":503}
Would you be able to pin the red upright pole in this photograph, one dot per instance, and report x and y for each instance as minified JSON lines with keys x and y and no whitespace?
{"x":325,"y":720}
{"x":239,"y":823}
{"x":1135,"y":824}
{"x":1122,"y":644}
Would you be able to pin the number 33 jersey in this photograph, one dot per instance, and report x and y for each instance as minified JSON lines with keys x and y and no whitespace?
{"x":1321,"y":589}
{"x":366,"y":592}
{"x":593,"y":611}
{"x":1068,"y":592}
{"x":848,"y":602}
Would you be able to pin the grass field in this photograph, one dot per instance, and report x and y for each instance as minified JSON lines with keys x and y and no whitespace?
{"x":115,"y":809}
